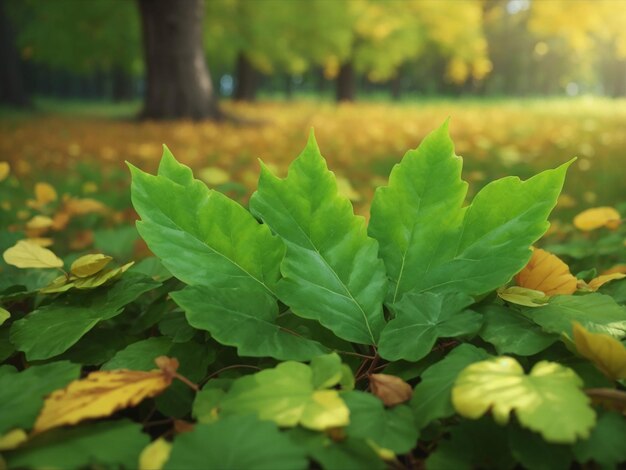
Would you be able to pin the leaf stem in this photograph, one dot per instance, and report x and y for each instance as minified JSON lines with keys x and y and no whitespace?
{"x":351,"y":353}
{"x":234,"y":366}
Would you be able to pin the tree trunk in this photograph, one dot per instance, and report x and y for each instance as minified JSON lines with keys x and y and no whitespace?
{"x":247,"y":79}
{"x":12,"y":88}
{"x":346,"y":83}
{"x":396,"y":87}
{"x":178,"y":83}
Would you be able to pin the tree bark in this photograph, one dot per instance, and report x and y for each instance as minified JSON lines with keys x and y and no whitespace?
{"x":178,"y":83}
{"x":346,"y":83}
{"x":247,"y":79}
{"x":12,"y":87}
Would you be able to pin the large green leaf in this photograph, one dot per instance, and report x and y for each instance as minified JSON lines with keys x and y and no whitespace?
{"x":513,"y":333}
{"x":423,"y":318}
{"x":530,"y":450}
{"x":245,"y":319}
{"x":331,"y":269}
{"x":114,"y":444}
{"x":201,"y":236}
{"x":431,"y":397}
{"x":598,"y":313}
{"x":54,"y":328}
{"x":392,"y":428}
{"x":22,"y":393}
{"x":549,"y":400}
{"x":430,"y":242}
{"x":236,"y":442}
{"x":606,"y":442}
{"x":287,"y":396}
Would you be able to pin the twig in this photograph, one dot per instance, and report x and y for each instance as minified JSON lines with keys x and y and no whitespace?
{"x":223,"y":369}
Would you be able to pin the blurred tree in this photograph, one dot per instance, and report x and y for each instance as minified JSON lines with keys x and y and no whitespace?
{"x":178,"y":83}
{"x":12,"y":89}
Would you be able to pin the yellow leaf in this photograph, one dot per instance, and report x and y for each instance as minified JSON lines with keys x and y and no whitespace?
{"x":597,"y":217}
{"x":607,"y":353}
{"x":25,"y":254}
{"x":5,"y":170}
{"x":523,"y":296}
{"x":390,"y":389}
{"x":39,"y":222}
{"x":45,"y":242}
{"x":45,"y":193}
{"x":599,"y":281}
{"x":84,"y":206}
{"x":213,"y":176}
{"x":326,"y":406}
{"x":4,"y":315}
{"x":89,"y":265}
{"x":155,"y":454}
{"x":59,"y":284}
{"x":102,"y":393}
{"x":13,"y":439}
{"x":620,"y":268}
{"x":100,"y":278}
{"x":545,"y":272}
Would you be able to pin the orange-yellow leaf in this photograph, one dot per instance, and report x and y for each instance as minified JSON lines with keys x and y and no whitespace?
{"x":102,"y":393}
{"x":546,"y":272}
{"x":84,"y":206}
{"x":13,"y":439}
{"x":45,"y":193}
{"x":607,"y":353}
{"x":597,"y":217}
{"x":599,"y":281}
{"x":39,"y":222}
{"x":45,"y":242}
{"x":26,"y":254}
{"x":155,"y":454}
{"x":390,"y":389}
{"x":5,"y":170}
{"x":619,"y":268}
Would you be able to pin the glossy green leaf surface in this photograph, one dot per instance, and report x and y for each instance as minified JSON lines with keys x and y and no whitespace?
{"x":392,"y":428}
{"x":109,"y":444}
{"x":201,"y":236}
{"x":429,"y":242}
{"x":548,"y":400}
{"x":245,"y":319}
{"x":236,"y":442}
{"x":511,"y":332}
{"x":432,"y":396}
{"x":423,"y":318}
{"x":22,"y":393}
{"x":606,"y":442}
{"x":598,"y":313}
{"x":331,"y":268}
{"x":46,"y":332}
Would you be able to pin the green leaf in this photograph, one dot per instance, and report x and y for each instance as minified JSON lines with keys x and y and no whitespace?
{"x":46,"y":332}
{"x":430,"y":242}
{"x":328,"y":371}
{"x":97,"y":346}
{"x":513,"y":333}
{"x":605,"y":445}
{"x":392,"y":428}
{"x":139,"y":355}
{"x":423,"y":318}
{"x":201,"y":236}
{"x":472,"y":444}
{"x":4,"y":315}
{"x":345,"y":454}
{"x":115,"y":444}
{"x":596,"y":312}
{"x":432,"y":396}
{"x":530,"y":450}
{"x":22,"y":394}
{"x":236,"y":442}
{"x":549,"y":400}
{"x":287,"y":396}
{"x":331,"y":269}
{"x":6,"y":348}
{"x":245,"y":319}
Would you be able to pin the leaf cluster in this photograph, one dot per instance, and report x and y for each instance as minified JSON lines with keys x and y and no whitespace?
{"x":302,"y":335}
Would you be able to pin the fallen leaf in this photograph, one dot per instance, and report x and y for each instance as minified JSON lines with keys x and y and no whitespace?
{"x":26,"y":254}
{"x":213,"y":176}
{"x":102,"y":393}
{"x":5,"y":170}
{"x":13,"y":439}
{"x":39,"y":222}
{"x":45,"y":194}
{"x":390,"y":389}
{"x":75,"y":206}
{"x":599,"y":281}
{"x":89,"y":265}
{"x":607,"y":353}
{"x":546,"y":272}
{"x":45,"y":242}
{"x":597,"y":217}
{"x":155,"y":454}
{"x":523,"y":296}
